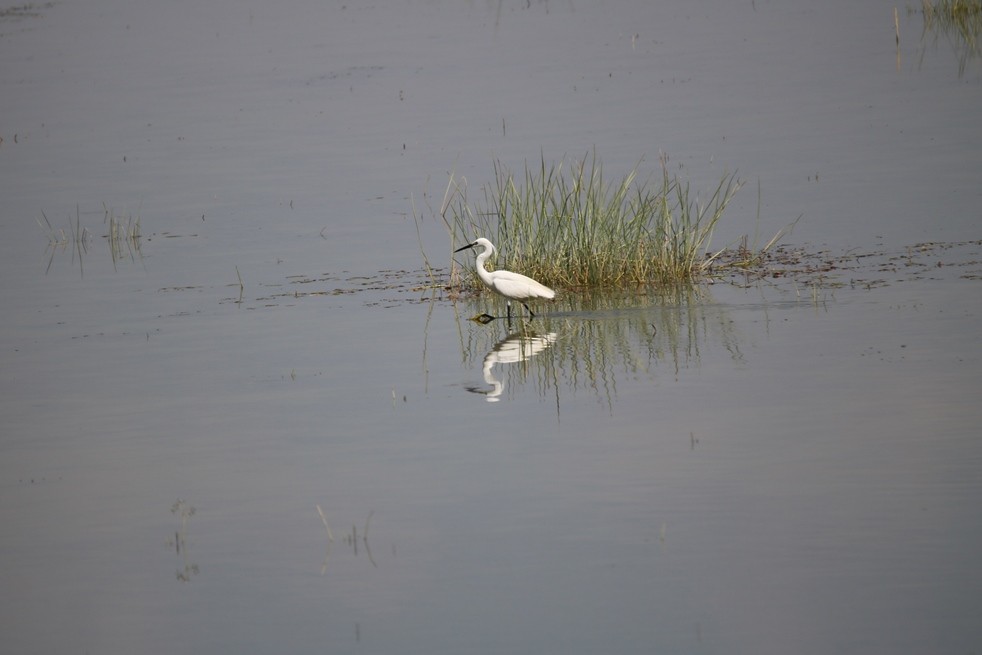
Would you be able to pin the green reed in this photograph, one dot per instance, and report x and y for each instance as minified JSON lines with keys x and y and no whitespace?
{"x":567,"y":225}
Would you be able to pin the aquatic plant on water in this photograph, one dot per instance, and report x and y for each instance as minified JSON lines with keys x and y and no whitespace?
{"x":568,"y":226}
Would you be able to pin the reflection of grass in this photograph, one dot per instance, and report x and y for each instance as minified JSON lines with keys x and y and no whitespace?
{"x":606,"y":335}
{"x":960,"y":21}
{"x":77,"y":239}
{"x":568,"y":226}
{"x":124,"y":236}
{"x":352,"y":539}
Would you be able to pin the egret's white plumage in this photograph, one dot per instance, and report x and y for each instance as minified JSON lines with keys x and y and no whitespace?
{"x":513,"y":286}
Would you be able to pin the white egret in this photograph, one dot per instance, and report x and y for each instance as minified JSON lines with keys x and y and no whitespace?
{"x":513,"y":286}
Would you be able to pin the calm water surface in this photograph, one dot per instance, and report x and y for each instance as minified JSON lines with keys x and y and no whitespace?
{"x":745,"y":467}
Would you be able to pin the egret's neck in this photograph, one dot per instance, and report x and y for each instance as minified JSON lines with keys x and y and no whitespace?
{"x":481,"y":271}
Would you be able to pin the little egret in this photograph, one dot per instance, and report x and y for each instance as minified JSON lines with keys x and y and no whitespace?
{"x":513,"y":286}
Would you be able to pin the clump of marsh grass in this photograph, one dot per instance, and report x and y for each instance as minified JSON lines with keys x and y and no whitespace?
{"x":568,"y":225}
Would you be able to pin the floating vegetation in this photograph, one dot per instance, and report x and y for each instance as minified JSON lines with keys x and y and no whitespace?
{"x":29,"y":10}
{"x":781,"y":267}
{"x":959,"y":21}
{"x":11,"y":17}
{"x":185,"y":511}
{"x":568,"y":226}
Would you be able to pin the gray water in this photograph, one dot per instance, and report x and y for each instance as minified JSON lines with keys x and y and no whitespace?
{"x":263,"y":429}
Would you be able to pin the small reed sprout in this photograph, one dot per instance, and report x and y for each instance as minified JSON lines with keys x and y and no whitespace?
{"x":567,"y":225}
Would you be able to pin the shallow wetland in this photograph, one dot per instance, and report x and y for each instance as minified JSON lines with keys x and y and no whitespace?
{"x":245,"y":408}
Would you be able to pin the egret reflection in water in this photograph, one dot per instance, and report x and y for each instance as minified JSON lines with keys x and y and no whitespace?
{"x":606,"y":337}
{"x":516,"y":347}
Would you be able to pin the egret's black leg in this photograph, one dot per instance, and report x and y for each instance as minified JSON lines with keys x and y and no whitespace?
{"x":508,"y":304}
{"x":531,"y":315}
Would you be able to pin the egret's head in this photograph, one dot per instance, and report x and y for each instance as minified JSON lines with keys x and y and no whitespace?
{"x":482,"y":242}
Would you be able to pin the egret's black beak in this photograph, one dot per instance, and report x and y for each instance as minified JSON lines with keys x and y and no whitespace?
{"x":469,"y":245}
